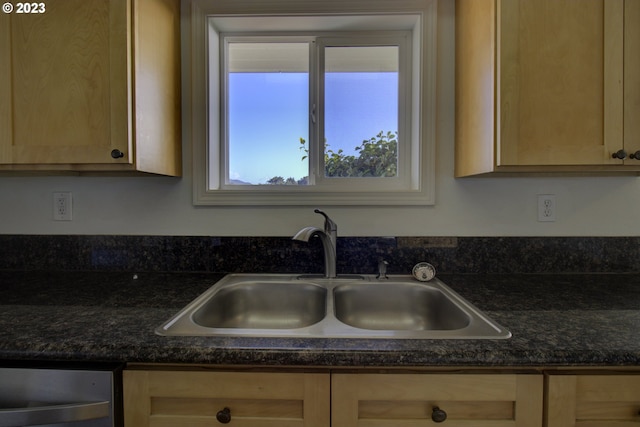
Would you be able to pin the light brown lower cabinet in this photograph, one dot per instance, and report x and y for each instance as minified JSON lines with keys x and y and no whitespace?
{"x":156,"y":398}
{"x":198,"y":398}
{"x":454,"y":400}
{"x":240,"y":399}
{"x":593,"y":400}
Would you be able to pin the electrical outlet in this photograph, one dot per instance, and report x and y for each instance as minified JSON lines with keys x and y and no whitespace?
{"x":62,"y":206}
{"x":547,"y":207}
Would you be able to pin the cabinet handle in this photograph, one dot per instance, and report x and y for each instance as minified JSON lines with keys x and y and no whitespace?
{"x":438,"y":415}
{"x":635,"y":155}
{"x":117,"y":154}
{"x":224,"y":416}
{"x":620,"y":154}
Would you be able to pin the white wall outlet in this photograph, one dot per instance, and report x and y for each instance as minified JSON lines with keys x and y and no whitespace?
{"x":547,"y":207}
{"x":62,"y":206}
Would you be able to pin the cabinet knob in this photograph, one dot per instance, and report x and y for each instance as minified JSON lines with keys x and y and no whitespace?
{"x":438,"y":415}
{"x":620,"y":154}
{"x":224,"y":416}
{"x":117,"y":154}
{"x":635,"y":155}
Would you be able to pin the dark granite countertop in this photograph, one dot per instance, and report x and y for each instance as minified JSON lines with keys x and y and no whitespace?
{"x":556,"y":320}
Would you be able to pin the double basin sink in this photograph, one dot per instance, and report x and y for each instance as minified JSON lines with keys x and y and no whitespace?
{"x":279,"y":305}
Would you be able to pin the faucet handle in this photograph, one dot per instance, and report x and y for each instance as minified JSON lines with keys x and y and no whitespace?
{"x":329,"y":225}
{"x":382,"y":269}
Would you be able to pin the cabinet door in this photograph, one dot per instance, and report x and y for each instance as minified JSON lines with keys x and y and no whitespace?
{"x":64,"y":94}
{"x":560,"y":82}
{"x":593,"y":400}
{"x":409,"y":400}
{"x":156,"y":45}
{"x":193,"y":399}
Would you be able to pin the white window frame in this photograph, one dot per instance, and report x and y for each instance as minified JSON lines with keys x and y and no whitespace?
{"x":222,"y":143}
{"x":211,"y":18}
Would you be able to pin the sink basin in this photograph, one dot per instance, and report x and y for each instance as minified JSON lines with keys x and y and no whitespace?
{"x":397,"y":306}
{"x":254,"y":305}
{"x":288,"y":305}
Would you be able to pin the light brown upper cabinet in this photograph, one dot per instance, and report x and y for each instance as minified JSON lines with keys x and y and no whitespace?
{"x":547,"y":86}
{"x":91,"y":86}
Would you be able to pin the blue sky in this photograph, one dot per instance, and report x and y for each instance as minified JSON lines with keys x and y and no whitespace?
{"x":268,"y":114}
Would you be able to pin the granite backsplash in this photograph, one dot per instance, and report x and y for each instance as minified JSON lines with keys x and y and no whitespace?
{"x":355,"y":254}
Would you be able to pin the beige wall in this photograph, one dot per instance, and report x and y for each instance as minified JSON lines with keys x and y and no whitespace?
{"x":600,"y":206}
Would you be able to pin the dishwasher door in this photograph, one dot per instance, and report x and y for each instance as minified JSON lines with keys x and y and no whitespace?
{"x":57,"y":397}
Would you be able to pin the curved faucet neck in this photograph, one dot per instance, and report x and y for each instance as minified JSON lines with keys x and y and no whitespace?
{"x":329,"y":246}
{"x":328,"y":237}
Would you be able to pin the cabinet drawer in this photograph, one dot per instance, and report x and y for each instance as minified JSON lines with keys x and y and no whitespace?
{"x":410,"y":400}
{"x":593,"y":400}
{"x":194,"y":399}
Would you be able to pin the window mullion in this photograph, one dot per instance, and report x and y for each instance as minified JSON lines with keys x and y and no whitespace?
{"x":316,"y":164}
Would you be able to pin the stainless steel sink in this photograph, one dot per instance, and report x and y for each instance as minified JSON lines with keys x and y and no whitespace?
{"x":279,"y":305}
{"x":397,"y":306}
{"x":255,"y":305}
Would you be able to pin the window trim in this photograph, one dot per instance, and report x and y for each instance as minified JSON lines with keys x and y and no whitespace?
{"x":206,"y":117}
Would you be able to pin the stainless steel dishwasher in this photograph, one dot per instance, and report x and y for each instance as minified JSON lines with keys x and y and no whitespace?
{"x":60,"y":397}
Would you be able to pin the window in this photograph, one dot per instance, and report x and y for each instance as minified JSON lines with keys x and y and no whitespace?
{"x":267,"y":100}
{"x":313,"y":109}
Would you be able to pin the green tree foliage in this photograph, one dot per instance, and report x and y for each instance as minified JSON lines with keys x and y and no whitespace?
{"x":376,"y":157}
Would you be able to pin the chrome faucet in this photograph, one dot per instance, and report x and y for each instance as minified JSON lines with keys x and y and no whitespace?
{"x":328,"y":237}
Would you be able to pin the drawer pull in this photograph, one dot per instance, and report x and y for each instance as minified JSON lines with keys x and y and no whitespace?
{"x":117,"y":154}
{"x":635,"y":155}
{"x":224,"y":416}
{"x":620,"y":154}
{"x":438,"y":415}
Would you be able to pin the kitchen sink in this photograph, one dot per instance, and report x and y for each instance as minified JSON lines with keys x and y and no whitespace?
{"x":287,"y":305}
{"x":254,"y":305}
{"x":397,"y":306}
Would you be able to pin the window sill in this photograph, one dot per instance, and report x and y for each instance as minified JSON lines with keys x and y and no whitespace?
{"x":286,"y":197}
